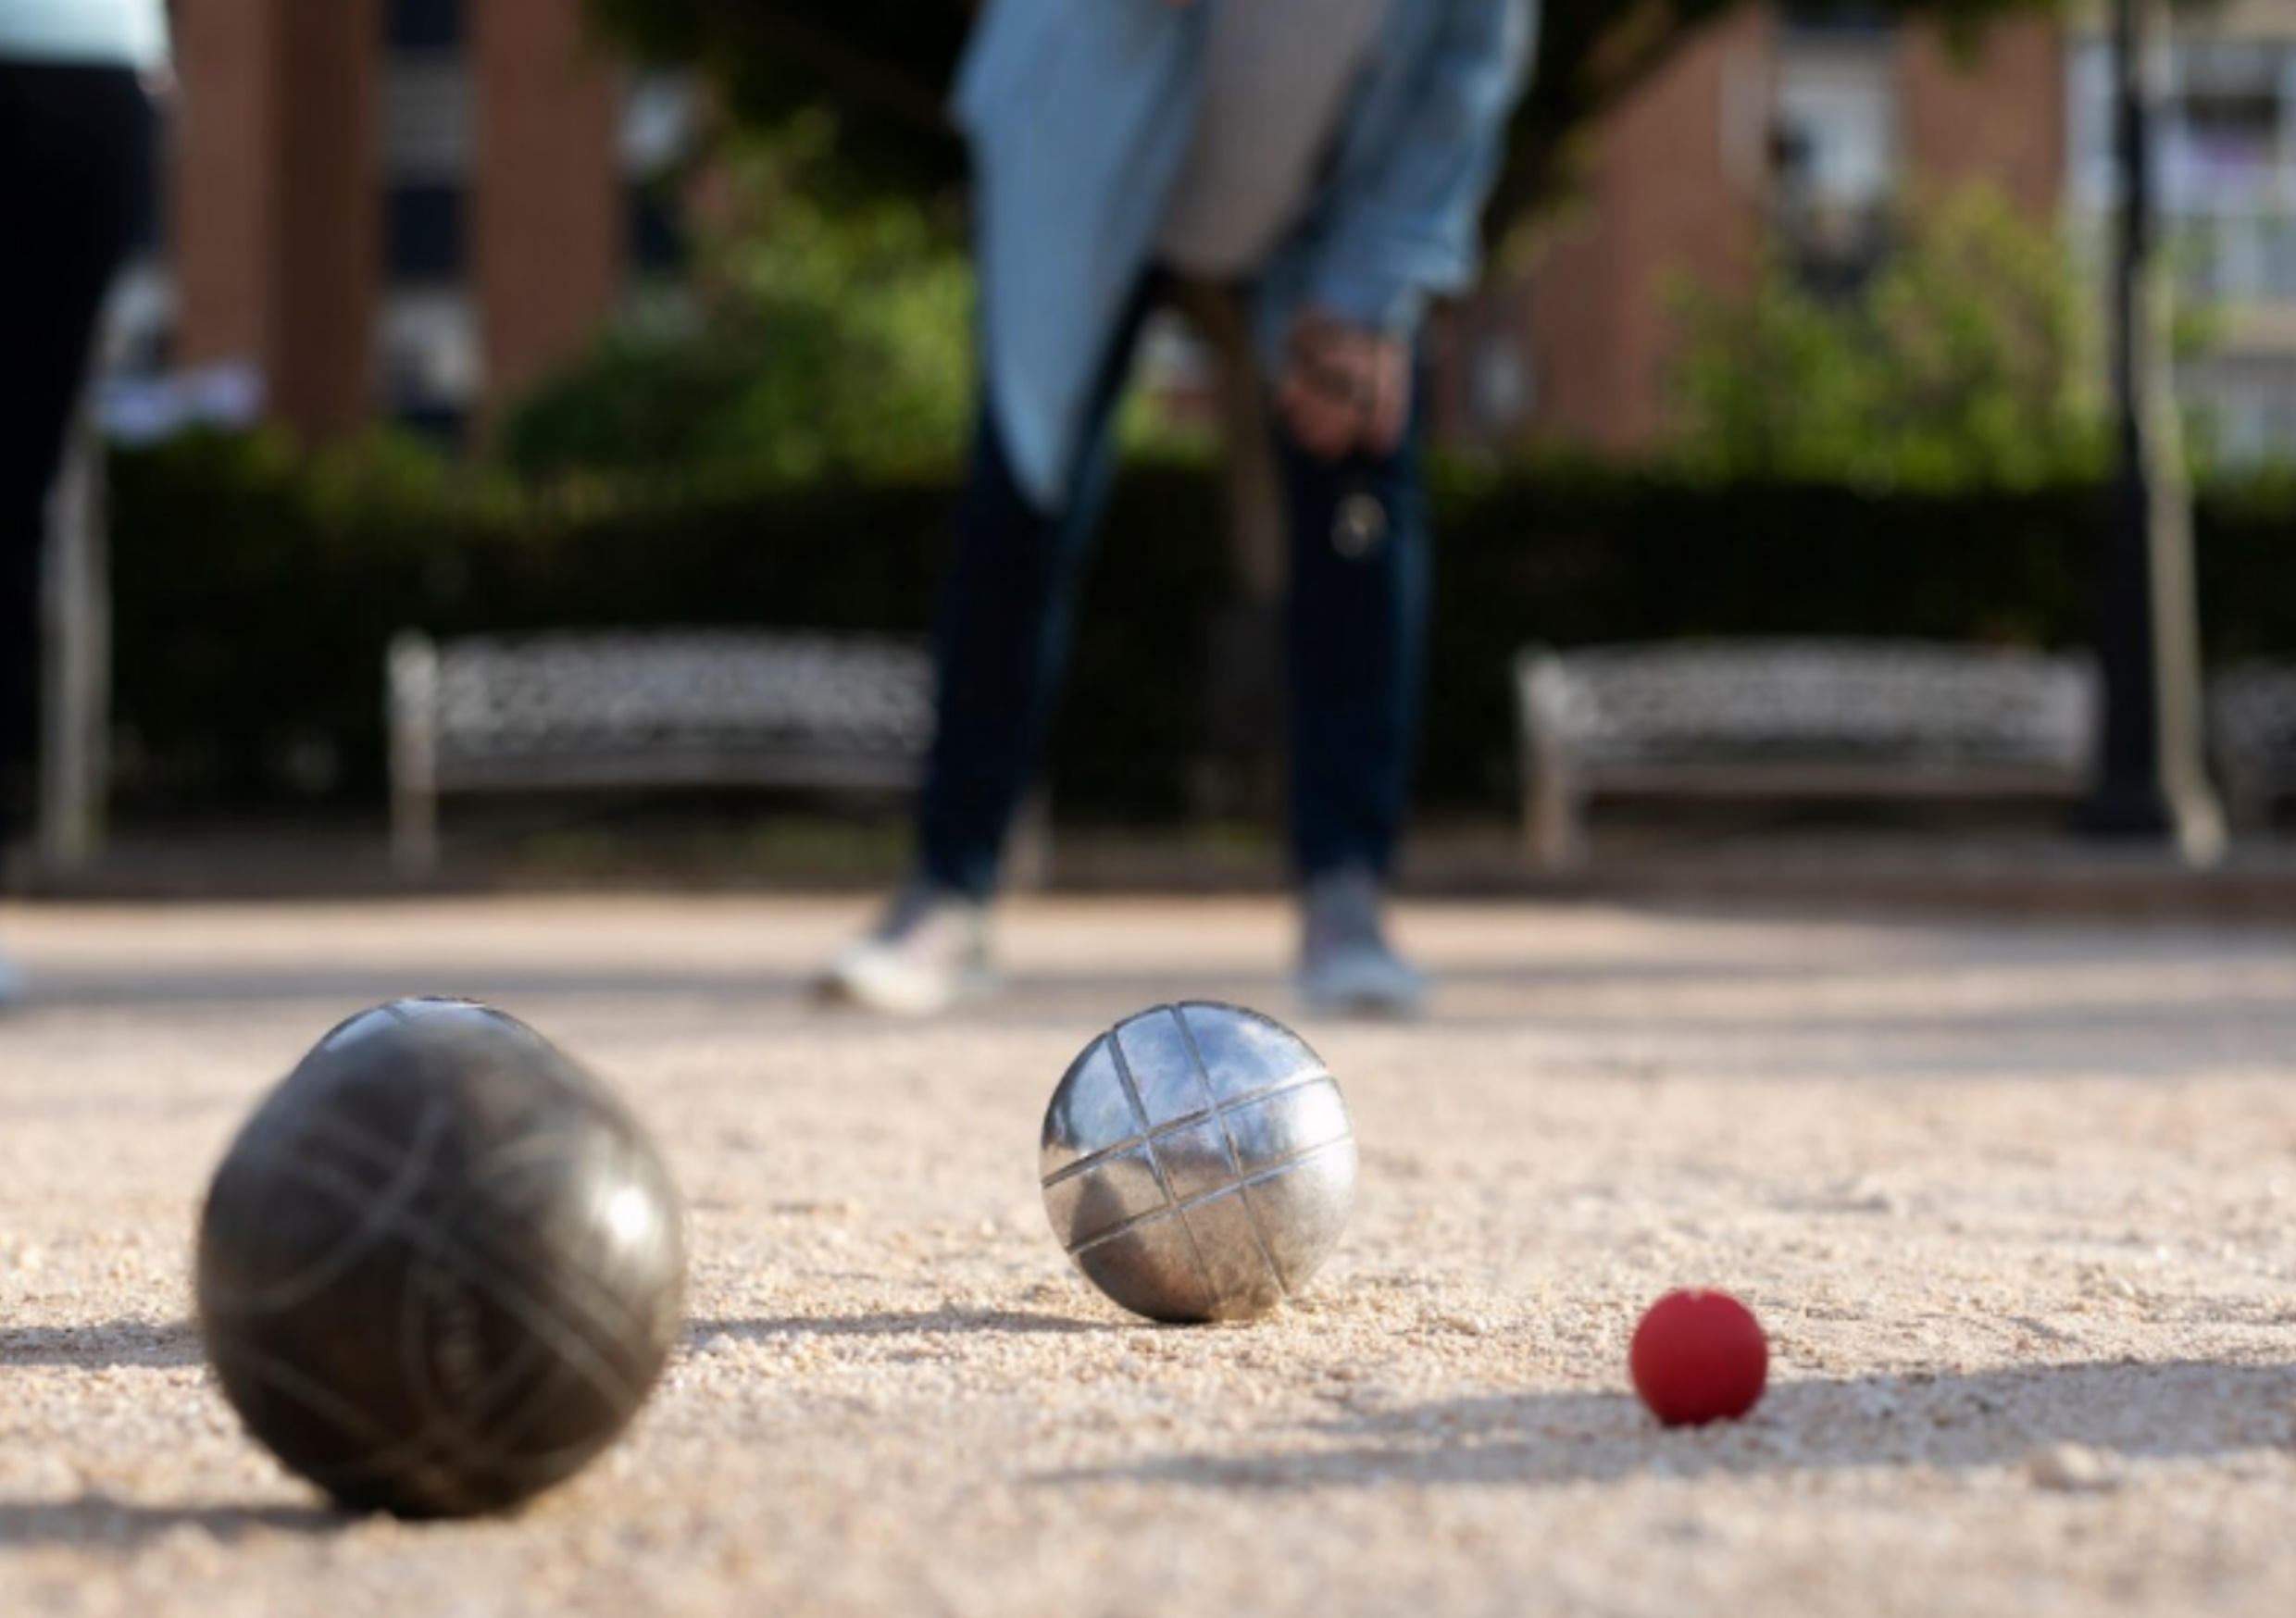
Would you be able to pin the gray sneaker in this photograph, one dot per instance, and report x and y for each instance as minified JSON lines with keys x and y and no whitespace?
{"x":1346,"y":967}
{"x":12,"y":986}
{"x":929,"y":952}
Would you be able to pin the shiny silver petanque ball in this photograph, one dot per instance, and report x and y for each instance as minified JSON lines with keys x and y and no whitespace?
{"x":1198,"y":1163}
{"x":441,"y":1266}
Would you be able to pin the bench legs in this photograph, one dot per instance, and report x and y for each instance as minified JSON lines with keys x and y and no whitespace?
{"x":1554,"y":796}
{"x":414,"y":833}
{"x":2248,"y":799}
{"x":1554,"y":814}
{"x":1028,"y":846}
{"x":412,"y":718}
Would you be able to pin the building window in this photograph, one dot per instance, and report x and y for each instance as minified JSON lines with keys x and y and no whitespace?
{"x":1838,"y":123}
{"x":2227,"y":168}
{"x":414,"y":26}
{"x":427,"y":119}
{"x":427,"y":348}
{"x":423,"y":231}
{"x":2228,"y":140}
{"x":2226,"y":161}
{"x":1838,"y":18}
{"x":426,"y":152}
{"x":1837,"y":148}
{"x":426,"y":337}
{"x":657,"y":232}
{"x":659,"y":132}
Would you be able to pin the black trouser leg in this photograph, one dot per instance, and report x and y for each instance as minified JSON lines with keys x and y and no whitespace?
{"x":1007,"y":612}
{"x":1357,"y":650}
{"x":74,"y":152}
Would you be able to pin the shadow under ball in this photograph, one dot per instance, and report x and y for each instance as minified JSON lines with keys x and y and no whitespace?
{"x":1198,"y":1163}
{"x":441,"y":1266}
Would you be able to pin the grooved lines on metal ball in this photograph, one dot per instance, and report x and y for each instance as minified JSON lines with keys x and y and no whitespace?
{"x":1235,"y":1161}
{"x":465,"y":1252}
{"x":1148,"y":1136}
{"x":463,"y":1256}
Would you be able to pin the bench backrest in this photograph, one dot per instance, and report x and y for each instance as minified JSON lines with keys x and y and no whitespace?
{"x":2251,"y":716}
{"x":1813,"y":698}
{"x":500,"y":694}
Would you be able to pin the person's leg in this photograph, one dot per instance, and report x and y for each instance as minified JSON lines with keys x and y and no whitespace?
{"x":1001,"y":640}
{"x":73,"y":151}
{"x":1007,"y":618}
{"x":1357,"y":643}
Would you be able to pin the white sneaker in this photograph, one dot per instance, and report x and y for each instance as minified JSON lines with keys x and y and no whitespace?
{"x":930,"y":952}
{"x":12,"y":986}
{"x":1346,"y":967}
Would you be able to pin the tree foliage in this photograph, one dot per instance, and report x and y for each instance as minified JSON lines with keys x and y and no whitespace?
{"x":858,"y":91}
{"x":874,"y":73}
{"x":882,"y":68}
{"x":815,"y":341}
{"x":1593,"y":54}
{"x":1971,"y":361}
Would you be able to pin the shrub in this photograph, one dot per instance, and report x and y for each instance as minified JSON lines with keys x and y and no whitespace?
{"x":1968,"y":361}
{"x":824,"y":337}
{"x":254,"y":592}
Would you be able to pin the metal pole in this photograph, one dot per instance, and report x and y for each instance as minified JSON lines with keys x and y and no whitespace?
{"x":2150,"y":782}
{"x":76,"y":683}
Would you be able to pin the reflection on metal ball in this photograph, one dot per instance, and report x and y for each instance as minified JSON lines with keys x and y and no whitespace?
{"x":1198,"y":1163}
{"x":441,"y":1266}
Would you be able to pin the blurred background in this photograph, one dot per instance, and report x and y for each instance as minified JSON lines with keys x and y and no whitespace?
{"x":472,"y":316}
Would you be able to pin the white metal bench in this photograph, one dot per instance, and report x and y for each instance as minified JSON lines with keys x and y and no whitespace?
{"x":1791,"y":719}
{"x":687,"y":708}
{"x":2251,"y":727}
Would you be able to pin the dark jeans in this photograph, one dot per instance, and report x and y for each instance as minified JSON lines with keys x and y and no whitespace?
{"x":1356,"y":639}
{"x":75,"y":150}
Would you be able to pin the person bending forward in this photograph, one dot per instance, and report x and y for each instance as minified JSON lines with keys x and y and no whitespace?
{"x":1327,"y":157}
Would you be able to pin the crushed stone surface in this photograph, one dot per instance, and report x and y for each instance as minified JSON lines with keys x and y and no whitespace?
{"x":2017,"y":1203}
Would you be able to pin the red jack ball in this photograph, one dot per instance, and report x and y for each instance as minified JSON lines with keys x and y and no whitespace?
{"x":1699,"y":1356}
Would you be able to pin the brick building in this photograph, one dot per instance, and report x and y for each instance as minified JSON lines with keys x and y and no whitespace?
{"x":409,"y":208}
{"x":399,"y":208}
{"x":1684,"y":183}
{"x":1816,"y":117}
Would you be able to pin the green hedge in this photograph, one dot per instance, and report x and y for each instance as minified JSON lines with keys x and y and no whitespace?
{"x":255,"y":595}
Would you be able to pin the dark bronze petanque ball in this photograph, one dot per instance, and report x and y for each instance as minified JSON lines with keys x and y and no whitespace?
{"x":441,"y":1266}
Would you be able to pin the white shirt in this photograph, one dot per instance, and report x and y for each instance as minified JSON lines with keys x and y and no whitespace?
{"x":103,"y":33}
{"x":1276,"y":78}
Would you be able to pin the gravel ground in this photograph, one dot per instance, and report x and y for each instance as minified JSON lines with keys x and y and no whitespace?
{"x":2018,"y":1204}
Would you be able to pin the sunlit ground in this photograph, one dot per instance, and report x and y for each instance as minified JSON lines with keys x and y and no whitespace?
{"x":2015,"y":1200}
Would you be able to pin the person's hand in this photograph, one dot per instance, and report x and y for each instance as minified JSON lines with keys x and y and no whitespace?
{"x":1344,"y":388}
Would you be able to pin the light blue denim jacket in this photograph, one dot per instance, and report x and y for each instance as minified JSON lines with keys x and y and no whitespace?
{"x":1079,"y":113}
{"x":106,"y":33}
